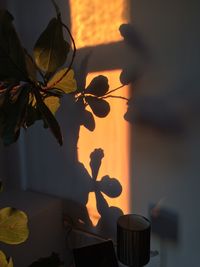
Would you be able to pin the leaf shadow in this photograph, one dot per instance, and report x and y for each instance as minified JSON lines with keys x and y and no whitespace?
{"x":78,"y":212}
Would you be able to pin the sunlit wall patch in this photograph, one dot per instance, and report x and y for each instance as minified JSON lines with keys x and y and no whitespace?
{"x":111,"y":134}
{"x":96,"y":22}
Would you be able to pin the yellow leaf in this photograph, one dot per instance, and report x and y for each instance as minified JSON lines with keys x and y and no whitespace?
{"x":4,"y":262}
{"x":13,"y":226}
{"x":53,"y":103}
{"x":67,"y":84}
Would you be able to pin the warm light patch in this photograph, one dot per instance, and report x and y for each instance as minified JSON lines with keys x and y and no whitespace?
{"x":92,"y":209}
{"x":112,"y":135}
{"x":97,"y":22}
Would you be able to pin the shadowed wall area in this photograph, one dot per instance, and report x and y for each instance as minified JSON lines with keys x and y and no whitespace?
{"x":161,"y":57}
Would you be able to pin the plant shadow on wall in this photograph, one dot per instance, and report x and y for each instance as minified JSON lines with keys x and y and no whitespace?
{"x":85,"y":182}
{"x":80,"y":216}
{"x":25,"y":99}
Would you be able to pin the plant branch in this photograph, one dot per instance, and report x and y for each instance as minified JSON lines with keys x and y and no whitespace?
{"x":56,"y":8}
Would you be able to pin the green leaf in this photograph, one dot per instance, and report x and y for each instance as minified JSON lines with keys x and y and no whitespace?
{"x":99,"y":86}
{"x":50,"y":51}
{"x":4,"y":262}
{"x":99,"y":106}
{"x":48,"y":116}
{"x":12,"y":55}
{"x":32,"y":115}
{"x":66,"y":83}
{"x":53,"y":103}
{"x":13,"y":226}
{"x":31,"y":68}
{"x":12,"y":117}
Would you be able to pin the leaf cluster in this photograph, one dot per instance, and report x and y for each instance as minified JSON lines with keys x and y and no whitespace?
{"x":25,"y":98}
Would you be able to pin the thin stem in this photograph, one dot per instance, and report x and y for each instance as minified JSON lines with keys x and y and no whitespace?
{"x":56,"y":7}
{"x":72,"y":60}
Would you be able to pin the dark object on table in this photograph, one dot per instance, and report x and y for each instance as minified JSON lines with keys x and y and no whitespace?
{"x":133,"y":240}
{"x":98,"y":255}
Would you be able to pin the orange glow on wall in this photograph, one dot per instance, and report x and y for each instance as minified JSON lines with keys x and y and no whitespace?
{"x":112,"y":135}
{"x":92,"y":209}
{"x":97,"y":22}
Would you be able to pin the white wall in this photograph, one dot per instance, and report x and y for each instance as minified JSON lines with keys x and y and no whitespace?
{"x":166,"y":164}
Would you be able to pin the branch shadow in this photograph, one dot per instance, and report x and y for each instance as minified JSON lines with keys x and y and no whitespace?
{"x":61,"y":170}
{"x":87,"y":181}
{"x":77,"y":213}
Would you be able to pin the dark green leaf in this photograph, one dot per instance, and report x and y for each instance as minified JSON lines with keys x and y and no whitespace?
{"x":12,"y":117}
{"x":2,"y":98}
{"x":100,"y":107}
{"x":31,"y":68}
{"x":32,"y":115}
{"x":99,"y":86}
{"x":50,"y":51}
{"x":52,"y":261}
{"x":13,"y":226}
{"x":1,"y":186}
{"x":12,"y":55}
{"x":88,"y":120}
{"x":48,"y":116}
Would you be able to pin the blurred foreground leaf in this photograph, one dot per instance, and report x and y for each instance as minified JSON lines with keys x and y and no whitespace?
{"x":13,"y":115}
{"x":13,"y":226}
{"x":12,"y":55}
{"x":4,"y":262}
{"x":1,"y":186}
{"x":52,"y":261}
